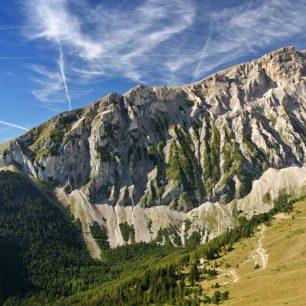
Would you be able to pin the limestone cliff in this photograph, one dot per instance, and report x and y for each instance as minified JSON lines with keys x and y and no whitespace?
{"x":171,"y":149}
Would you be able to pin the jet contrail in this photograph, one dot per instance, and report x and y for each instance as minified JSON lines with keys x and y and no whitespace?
{"x":62,"y":69}
{"x":13,"y":125}
{"x":207,"y":41}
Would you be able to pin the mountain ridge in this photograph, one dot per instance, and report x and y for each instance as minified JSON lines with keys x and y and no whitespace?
{"x":174,"y":147}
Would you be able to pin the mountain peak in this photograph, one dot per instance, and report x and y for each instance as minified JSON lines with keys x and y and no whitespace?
{"x":176,"y":146}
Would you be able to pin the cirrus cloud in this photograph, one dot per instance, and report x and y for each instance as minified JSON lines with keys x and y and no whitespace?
{"x":152,"y":41}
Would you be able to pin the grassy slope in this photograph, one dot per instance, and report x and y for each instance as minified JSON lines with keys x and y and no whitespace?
{"x":283,"y":282}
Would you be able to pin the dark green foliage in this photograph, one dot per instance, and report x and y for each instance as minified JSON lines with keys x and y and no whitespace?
{"x":184,"y":169}
{"x":12,"y":272}
{"x":282,"y":203}
{"x":224,"y":296}
{"x":42,"y":254}
{"x":46,"y":239}
{"x":169,"y":234}
{"x":174,"y":169}
{"x":267,"y":198}
{"x":78,"y":224}
{"x":216,"y":298}
{"x":104,"y":154}
{"x":160,"y":148}
{"x":211,"y":173}
{"x":127,"y":231}
{"x":194,"y":273}
{"x":151,"y":154}
{"x":194,"y":239}
{"x":154,"y":286}
{"x":149,"y":225}
{"x":163,"y":236}
{"x":57,"y":135}
{"x":234,"y":165}
{"x":99,"y":233}
{"x":189,"y":167}
{"x":187,"y":225}
{"x":136,"y":251}
{"x":161,"y":169}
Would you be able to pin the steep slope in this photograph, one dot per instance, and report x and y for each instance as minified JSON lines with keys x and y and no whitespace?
{"x":50,"y":257}
{"x":276,"y":277}
{"x":12,"y":272}
{"x":41,"y":248}
{"x":157,"y":153}
{"x":260,"y":262}
{"x":42,"y":256}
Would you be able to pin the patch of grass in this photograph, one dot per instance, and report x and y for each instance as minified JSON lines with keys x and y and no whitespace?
{"x":285,"y":273}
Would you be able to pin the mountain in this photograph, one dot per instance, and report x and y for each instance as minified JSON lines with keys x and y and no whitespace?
{"x":44,"y":262}
{"x":184,"y":194}
{"x":42,"y":255}
{"x":174,"y":164}
{"x":264,"y":266}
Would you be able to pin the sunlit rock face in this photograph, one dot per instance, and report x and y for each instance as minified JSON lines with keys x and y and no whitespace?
{"x":158,"y":153}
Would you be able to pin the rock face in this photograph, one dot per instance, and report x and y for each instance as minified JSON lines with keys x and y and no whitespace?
{"x":168,"y":150}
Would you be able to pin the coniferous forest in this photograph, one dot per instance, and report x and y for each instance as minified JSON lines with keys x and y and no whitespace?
{"x":43,"y":259}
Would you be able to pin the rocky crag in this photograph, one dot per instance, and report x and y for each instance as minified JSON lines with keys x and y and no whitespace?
{"x":170,"y":163}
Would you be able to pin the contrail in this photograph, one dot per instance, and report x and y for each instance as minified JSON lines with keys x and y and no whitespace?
{"x":62,"y":69}
{"x":13,"y":125}
{"x":203,"y":50}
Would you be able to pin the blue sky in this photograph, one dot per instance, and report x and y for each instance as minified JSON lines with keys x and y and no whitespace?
{"x":57,"y":54}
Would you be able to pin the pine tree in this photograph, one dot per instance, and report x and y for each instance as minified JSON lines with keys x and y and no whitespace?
{"x":194,"y":273}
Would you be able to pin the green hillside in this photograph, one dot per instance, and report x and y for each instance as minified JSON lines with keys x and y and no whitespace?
{"x":43,"y":257}
{"x":42,"y":239}
{"x":261,"y":262}
{"x":282,"y":280}
{"x":43,"y":260}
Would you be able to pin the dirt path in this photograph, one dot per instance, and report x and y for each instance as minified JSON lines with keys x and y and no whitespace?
{"x":234,"y":275}
{"x":230,"y":272}
{"x":261,"y":251}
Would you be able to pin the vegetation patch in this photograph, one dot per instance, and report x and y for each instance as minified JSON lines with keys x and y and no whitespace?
{"x":128,"y":232}
{"x":99,"y":233}
{"x":103,"y":154}
{"x":183,"y":168}
{"x":211,"y":153}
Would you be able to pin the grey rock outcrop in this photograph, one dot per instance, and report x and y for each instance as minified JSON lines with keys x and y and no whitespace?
{"x":176,"y":146}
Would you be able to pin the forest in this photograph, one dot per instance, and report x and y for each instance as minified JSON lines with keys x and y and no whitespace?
{"x":43,"y":260}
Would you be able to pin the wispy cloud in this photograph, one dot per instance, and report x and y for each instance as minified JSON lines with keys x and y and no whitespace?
{"x":62,"y":70}
{"x":108,"y":42}
{"x":13,"y":125}
{"x":48,"y":85}
{"x":243,"y":29}
{"x":152,"y":41}
{"x":203,"y":52}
